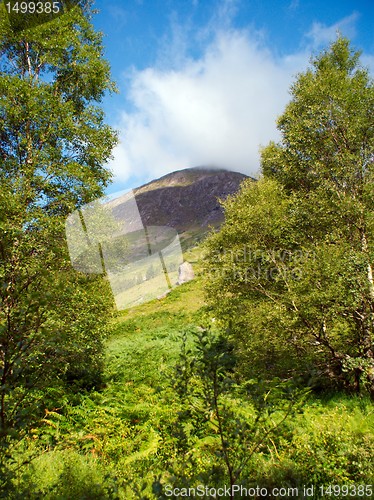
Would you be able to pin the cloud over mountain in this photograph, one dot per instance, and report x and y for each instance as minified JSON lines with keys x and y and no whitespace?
{"x":214,"y":109}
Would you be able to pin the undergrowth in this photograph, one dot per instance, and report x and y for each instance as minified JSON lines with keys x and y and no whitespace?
{"x":123,"y":441}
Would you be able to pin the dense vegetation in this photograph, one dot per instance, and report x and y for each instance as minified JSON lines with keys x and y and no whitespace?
{"x":291,"y":269}
{"x":259,"y":373}
{"x":53,"y":143}
{"x":141,"y":432}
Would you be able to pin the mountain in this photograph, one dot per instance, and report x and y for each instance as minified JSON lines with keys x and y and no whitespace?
{"x":186,"y":200}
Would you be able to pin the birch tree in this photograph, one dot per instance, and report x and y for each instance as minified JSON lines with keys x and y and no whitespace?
{"x":310,"y":220}
{"x":53,"y":147}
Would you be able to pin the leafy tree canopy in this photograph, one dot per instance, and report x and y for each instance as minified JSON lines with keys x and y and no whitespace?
{"x":53,"y":147}
{"x":290,"y":273}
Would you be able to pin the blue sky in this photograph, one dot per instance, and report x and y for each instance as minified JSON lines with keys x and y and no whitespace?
{"x":202,"y":82}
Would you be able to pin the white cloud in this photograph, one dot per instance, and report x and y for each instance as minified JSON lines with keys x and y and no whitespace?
{"x":216,"y":109}
{"x":321,"y":35}
{"x":294,"y":4}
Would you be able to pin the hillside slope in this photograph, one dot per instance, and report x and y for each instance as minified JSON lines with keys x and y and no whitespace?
{"x":186,"y":200}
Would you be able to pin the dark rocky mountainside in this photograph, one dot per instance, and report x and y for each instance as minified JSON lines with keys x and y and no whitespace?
{"x":186,"y":200}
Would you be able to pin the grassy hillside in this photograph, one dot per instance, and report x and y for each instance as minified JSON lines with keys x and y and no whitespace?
{"x":124,"y":441}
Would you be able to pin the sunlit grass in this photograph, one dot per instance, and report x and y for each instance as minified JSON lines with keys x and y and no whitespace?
{"x":117,"y":439}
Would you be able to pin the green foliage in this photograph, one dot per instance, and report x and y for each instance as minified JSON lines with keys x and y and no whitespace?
{"x":287,"y":280}
{"x":290,"y":272}
{"x":221,"y":424}
{"x":64,"y":475}
{"x":327,"y":138}
{"x":137,"y":430}
{"x":53,"y":146}
{"x":331,"y":442}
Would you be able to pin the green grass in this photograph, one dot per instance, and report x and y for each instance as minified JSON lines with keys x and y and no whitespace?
{"x":114,"y":441}
{"x":115,"y":429}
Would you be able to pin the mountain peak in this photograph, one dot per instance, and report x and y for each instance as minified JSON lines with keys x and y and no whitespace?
{"x":186,"y":200}
{"x":183,"y":177}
